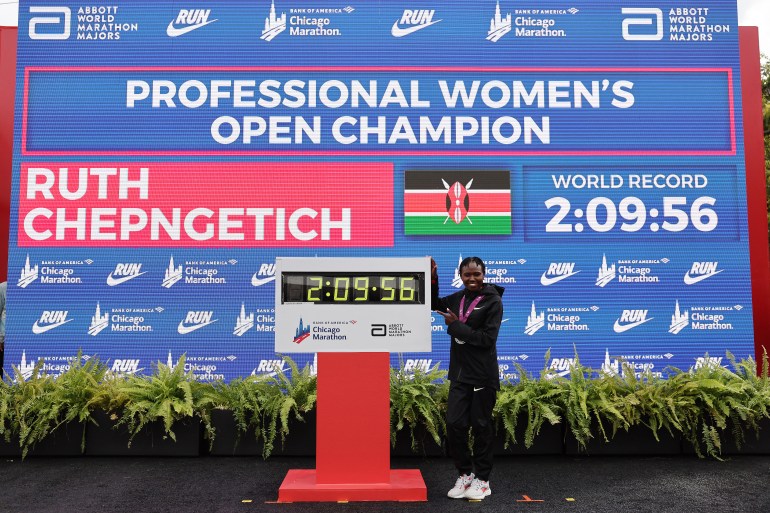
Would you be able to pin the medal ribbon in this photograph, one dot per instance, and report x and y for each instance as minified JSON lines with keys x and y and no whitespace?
{"x":464,"y":314}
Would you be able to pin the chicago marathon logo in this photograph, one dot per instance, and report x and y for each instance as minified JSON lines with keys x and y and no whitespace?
{"x":499,"y":25}
{"x":52,"y":272}
{"x":630,"y":271}
{"x":703,"y":318}
{"x":302,"y":332}
{"x":243,"y":322}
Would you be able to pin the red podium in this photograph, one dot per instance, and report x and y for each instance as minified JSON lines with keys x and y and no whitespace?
{"x":353,"y":437}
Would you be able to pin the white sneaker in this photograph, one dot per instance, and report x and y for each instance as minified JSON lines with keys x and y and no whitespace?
{"x":477,"y":490}
{"x":461,"y":485}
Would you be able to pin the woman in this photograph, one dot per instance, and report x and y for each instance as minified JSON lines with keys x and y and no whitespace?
{"x":473,"y":318}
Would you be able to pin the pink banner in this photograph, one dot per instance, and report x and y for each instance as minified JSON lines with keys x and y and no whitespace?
{"x":206,"y":204}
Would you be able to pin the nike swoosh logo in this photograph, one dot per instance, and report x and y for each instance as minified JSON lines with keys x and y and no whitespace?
{"x":117,"y":281}
{"x":399,"y":32}
{"x":477,"y":389}
{"x":690,"y":280}
{"x":184,"y":330}
{"x":37,"y":330}
{"x":260,"y":281}
{"x":544,"y":280}
{"x":172,"y":31}
{"x":620,"y":328}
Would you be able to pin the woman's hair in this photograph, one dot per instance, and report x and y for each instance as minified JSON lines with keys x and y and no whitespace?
{"x":475,"y":260}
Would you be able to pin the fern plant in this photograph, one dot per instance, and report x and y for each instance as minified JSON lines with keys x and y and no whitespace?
{"x":250,"y":400}
{"x":418,"y":399}
{"x":168,"y":395}
{"x":8,"y":422}
{"x":24,"y":406}
{"x":294,"y":393}
{"x":537,"y":400}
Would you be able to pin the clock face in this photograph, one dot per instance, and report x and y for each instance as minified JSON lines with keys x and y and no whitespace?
{"x":392,"y":288}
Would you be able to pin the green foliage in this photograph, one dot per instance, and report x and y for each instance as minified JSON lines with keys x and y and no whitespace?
{"x":299,"y":391}
{"x":538,"y":400}
{"x":167,"y":396}
{"x":252,"y":401}
{"x":418,"y":401}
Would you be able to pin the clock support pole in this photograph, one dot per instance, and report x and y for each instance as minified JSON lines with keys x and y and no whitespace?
{"x":353,"y":437}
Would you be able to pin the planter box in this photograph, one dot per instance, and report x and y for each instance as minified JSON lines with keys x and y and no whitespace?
{"x":637,"y":441}
{"x":65,"y":441}
{"x":103,"y":440}
{"x":426,"y":445}
{"x":550,"y":440}
{"x":301,"y":440}
{"x":751,"y":445}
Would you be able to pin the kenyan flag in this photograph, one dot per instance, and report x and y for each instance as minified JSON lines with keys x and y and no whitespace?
{"x":457,"y":203}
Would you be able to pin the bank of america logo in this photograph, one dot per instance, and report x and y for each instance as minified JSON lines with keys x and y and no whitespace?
{"x":413,"y":20}
{"x":499,"y":26}
{"x":98,"y":322}
{"x":172,"y":275}
{"x":535,"y":321}
{"x":457,"y":203}
{"x":701,"y":271}
{"x":274,"y":25}
{"x":124,"y":273}
{"x":243,"y":322}
{"x":679,"y":320}
{"x":49,"y":320}
{"x":28,"y":274}
{"x":195,"y":320}
{"x":557,"y":271}
{"x":302,"y":332}
{"x":606,"y":274}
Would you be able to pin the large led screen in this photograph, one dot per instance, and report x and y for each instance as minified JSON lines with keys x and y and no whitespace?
{"x":166,"y":153}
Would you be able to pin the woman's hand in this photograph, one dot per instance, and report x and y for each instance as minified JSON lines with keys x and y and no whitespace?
{"x":449,"y":316}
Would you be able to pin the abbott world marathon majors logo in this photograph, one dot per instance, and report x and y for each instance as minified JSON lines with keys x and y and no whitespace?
{"x":682,"y":23}
{"x":304,"y":21}
{"x":703,"y":318}
{"x":529,"y":23}
{"x":639,"y":364}
{"x":497,"y":272}
{"x":562,"y":318}
{"x":197,"y":272}
{"x":204,"y":368}
{"x":123,"y":320}
{"x":91,"y":23}
{"x":52,"y":272}
{"x":630,"y":271}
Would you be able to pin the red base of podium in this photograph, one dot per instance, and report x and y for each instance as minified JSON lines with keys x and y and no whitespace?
{"x":300,"y":485}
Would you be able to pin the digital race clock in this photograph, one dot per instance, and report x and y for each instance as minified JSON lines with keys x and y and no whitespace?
{"x":353,"y":288}
{"x":352,"y":305}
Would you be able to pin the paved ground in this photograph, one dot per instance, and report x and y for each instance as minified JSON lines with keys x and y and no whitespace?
{"x":208,"y":484}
